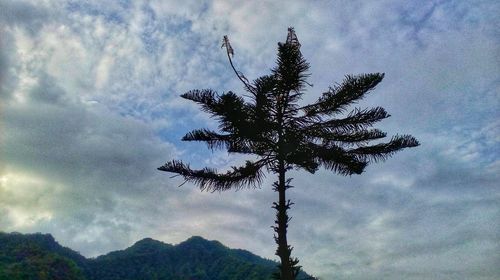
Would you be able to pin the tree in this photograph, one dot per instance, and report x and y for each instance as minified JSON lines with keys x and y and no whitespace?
{"x":270,"y":124}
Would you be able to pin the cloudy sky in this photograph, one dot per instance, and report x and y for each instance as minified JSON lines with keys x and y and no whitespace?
{"x":89,"y":107}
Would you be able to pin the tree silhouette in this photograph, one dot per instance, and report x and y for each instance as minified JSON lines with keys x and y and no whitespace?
{"x":270,"y":124}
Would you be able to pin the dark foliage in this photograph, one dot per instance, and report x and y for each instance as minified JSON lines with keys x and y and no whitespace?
{"x":39,"y":257}
{"x":271,"y":125}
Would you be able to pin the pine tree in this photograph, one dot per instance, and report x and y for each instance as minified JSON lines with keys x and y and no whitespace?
{"x":271,"y":125}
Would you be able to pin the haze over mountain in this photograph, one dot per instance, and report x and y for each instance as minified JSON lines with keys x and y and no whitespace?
{"x":39,"y":256}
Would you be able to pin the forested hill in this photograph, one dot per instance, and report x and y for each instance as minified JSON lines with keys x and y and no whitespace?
{"x":39,"y":256}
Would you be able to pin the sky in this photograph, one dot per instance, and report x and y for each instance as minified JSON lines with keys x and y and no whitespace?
{"x":90,"y":107}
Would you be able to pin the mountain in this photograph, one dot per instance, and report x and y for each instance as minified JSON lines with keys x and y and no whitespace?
{"x":39,"y":256}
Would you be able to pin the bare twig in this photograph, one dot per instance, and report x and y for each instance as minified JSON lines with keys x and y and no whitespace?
{"x":230,"y":53}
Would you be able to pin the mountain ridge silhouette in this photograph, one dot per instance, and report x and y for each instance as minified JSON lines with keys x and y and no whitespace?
{"x":31,"y":256}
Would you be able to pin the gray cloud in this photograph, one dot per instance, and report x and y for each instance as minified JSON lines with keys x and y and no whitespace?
{"x":24,"y":14}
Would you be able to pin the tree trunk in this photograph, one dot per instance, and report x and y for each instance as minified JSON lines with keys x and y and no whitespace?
{"x":284,"y":250}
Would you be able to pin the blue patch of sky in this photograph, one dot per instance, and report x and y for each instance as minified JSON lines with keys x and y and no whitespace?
{"x":109,"y":15}
{"x":194,"y":153}
{"x":182,"y":122}
{"x":153,"y":26}
{"x":417,"y":22}
{"x":418,"y":17}
{"x":126,"y":4}
{"x":149,"y":28}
